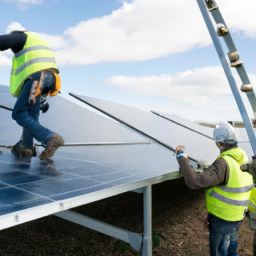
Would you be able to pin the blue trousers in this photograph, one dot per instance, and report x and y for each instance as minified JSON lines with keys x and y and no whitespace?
{"x":223,"y":236}
{"x":27,"y":116}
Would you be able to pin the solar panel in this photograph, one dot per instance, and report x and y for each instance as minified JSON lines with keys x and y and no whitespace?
{"x":197,"y":146}
{"x":203,"y":130}
{"x":77,"y":175}
{"x":244,"y":142}
{"x":73,"y":122}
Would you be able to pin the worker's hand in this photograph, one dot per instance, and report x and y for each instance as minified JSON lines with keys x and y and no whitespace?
{"x":178,"y":148}
{"x":180,"y":153}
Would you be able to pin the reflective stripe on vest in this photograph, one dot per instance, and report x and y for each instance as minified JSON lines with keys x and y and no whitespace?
{"x":32,"y":48}
{"x":237,"y":190}
{"x":35,"y":56}
{"x":31,"y":62}
{"x":229,"y":201}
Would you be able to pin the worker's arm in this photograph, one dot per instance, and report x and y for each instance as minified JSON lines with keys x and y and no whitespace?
{"x":15,"y":42}
{"x":215,"y":174}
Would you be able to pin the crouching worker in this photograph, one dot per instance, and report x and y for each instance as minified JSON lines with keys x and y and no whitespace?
{"x":227,"y":189}
{"x":34,"y":77}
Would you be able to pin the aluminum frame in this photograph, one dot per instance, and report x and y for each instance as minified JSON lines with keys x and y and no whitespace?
{"x":139,"y":243}
{"x":229,"y":75}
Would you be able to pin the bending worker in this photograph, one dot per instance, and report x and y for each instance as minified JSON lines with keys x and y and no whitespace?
{"x":227,"y":189}
{"x":34,"y":76}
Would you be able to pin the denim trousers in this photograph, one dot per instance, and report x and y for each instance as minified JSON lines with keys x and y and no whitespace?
{"x":27,"y":116}
{"x":223,"y":236}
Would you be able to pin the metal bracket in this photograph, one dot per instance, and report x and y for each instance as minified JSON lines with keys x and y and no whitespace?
{"x":139,"y":190}
{"x":139,"y":243}
{"x":135,"y":240}
{"x":213,"y":8}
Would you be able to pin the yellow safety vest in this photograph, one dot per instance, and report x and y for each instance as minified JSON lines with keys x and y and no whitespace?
{"x":35,"y":56}
{"x":252,"y":209}
{"x":229,"y":202}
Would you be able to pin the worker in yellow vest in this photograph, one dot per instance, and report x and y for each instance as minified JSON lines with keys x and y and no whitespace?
{"x":251,"y":214}
{"x":34,"y":77}
{"x":227,"y":189}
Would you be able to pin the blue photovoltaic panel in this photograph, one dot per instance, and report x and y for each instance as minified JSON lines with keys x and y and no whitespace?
{"x":197,"y":146}
{"x":80,"y":171}
{"x":30,"y":188}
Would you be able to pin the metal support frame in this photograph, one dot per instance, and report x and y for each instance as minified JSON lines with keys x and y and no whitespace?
{"x":140,"y":243}
{"x":229,"y":74}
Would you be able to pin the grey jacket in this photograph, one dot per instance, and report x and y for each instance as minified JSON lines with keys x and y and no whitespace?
{"x":215,"y":174}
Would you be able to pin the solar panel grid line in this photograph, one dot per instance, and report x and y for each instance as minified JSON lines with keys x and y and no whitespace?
{"x":133,"y":175}
{"x":12,"y":186}
{"x":6,"y":220}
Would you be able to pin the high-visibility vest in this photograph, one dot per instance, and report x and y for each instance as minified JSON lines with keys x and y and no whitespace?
{"x":228,"y":202}
{"x":252,"y":209}
{"x":35,"y":56}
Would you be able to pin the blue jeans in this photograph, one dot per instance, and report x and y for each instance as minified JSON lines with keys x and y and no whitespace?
{"x":223,"y":236}
{"x":27,"y":116}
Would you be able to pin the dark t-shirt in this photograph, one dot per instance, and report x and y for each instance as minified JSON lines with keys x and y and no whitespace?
{"x":15,"y":42}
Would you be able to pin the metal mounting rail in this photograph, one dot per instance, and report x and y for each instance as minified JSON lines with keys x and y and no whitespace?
{"x":226,"y":67}
{"x":103,"y":144}
{"x":140,"y":243}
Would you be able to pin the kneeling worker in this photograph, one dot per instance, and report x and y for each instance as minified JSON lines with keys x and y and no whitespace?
{"x":34,"y":77}
{"x":227,"y":189}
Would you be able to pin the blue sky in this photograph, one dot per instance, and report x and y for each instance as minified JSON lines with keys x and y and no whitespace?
{"x":150,"y":54}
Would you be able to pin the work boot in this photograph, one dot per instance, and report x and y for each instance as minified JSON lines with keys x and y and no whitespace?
{"x":51,"y":146}
{"x":22,"y":152}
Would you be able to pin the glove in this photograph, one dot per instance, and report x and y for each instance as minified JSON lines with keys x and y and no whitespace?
{"x":181,"y":154}
{"x":44,"y":105}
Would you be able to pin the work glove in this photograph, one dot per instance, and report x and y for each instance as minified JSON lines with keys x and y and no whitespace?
{"x":44,"y":104}
{"x":181,"y":154}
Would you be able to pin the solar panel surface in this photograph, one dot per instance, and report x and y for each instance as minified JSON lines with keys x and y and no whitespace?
{"x":244,"y":142}
{"x":197,"y":146}
{"x":73,"y":122}
{"x":76,"y":175}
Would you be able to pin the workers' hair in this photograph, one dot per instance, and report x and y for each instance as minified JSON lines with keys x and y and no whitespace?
{"x":18,"y":31}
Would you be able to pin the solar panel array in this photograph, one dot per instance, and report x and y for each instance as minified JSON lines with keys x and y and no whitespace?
{"x":76,"y":175}
{"x":30,"y":188}
{"x":158,"y":128}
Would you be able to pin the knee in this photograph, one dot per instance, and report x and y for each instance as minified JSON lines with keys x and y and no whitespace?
{"x":14,"y":114}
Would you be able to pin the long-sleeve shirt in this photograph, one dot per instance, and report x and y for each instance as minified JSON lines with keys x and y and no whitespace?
{"x":15,"y":42}
{"x":215,"y":174}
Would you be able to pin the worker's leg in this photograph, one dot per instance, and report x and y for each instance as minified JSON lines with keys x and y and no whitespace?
{"x":215,"y":236}
{"x":27,"y":115}
{"x":232,"y":249}
{"x":228,"y":230}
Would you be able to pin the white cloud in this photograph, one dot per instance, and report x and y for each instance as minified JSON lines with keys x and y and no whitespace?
{"x":56,"y":42}
{"x":14,"y":26}
{"x":143,"y":30}
{"x":24,"y":4}
{"x":5,"y":62}
{"x":207,"y":87}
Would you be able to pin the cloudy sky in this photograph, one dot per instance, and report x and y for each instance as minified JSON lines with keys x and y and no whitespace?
{"x":150,"y":54}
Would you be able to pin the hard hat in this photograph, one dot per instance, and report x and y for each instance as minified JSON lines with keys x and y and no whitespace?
{"x":224,"y":132}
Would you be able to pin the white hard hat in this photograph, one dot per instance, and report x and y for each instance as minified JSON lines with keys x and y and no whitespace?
{"x":224,"y":132}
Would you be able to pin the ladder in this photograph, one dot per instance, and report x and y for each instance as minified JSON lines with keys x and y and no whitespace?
{"x":210,"y":7}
